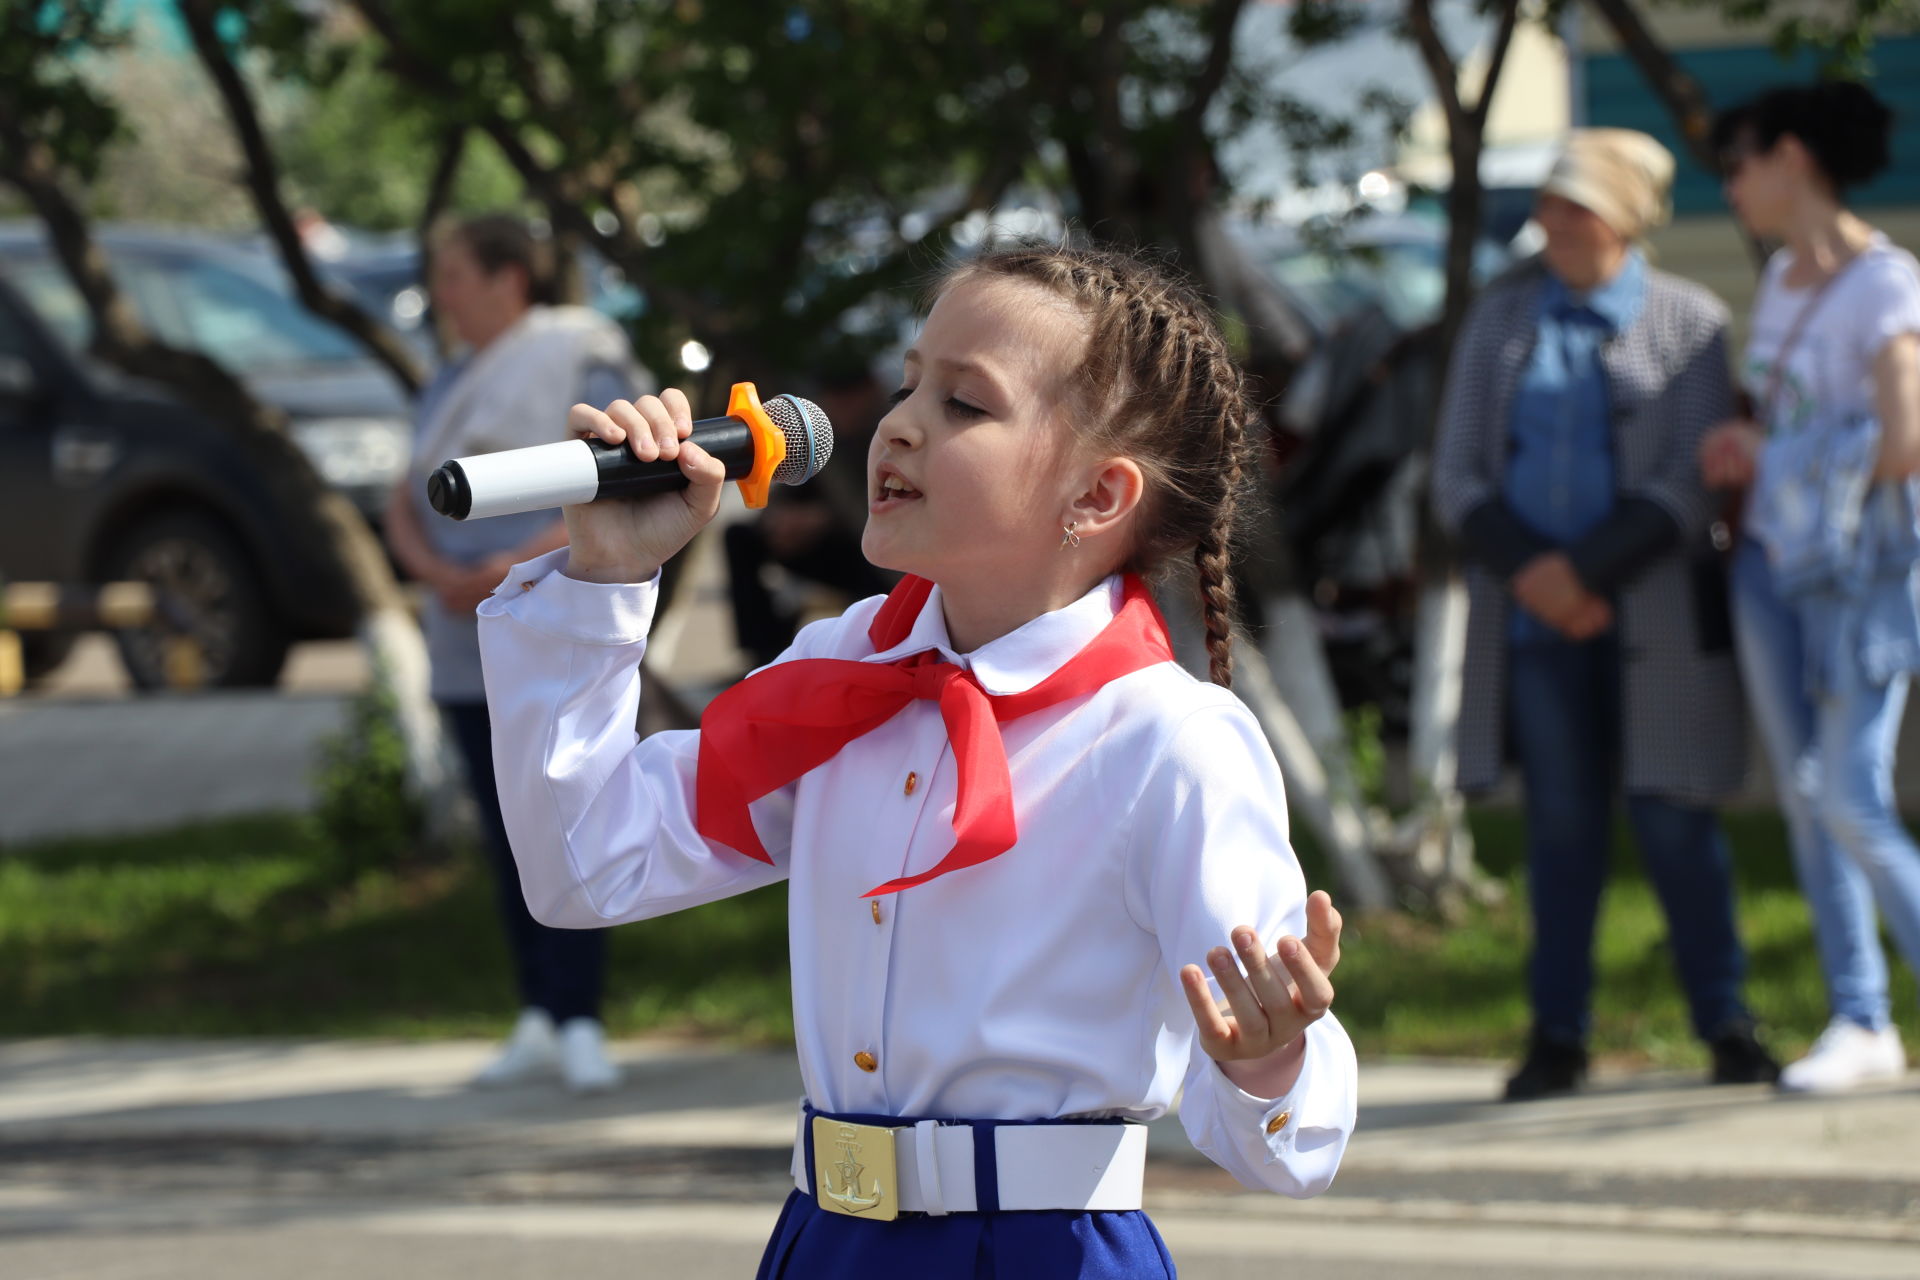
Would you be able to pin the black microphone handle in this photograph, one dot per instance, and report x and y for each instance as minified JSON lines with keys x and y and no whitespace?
{"x":624,"y":476}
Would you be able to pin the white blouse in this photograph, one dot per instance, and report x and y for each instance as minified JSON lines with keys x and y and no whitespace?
{"x":1041,"y":984}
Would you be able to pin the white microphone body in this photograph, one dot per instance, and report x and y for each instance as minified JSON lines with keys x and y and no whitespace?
{"x":546,"y":475}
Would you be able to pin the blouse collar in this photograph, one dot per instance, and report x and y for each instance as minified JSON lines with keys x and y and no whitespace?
{"x":1024,"y":656}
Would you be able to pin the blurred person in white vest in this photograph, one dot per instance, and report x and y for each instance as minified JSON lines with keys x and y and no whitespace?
{"x":524,"y":363}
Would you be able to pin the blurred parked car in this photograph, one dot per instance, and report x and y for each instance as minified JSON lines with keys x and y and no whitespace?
{"x":104,"y":477}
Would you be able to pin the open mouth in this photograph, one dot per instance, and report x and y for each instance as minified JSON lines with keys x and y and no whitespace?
{"x":891,"y":489}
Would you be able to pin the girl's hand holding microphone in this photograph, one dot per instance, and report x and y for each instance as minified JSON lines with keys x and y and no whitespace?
{"x":627,"y":540}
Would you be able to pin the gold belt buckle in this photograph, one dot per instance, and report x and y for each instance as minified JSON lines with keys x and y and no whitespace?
{"x":854,"y":1170}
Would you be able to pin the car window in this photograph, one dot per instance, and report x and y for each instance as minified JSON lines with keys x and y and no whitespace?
{"x":242,"y":321}
{"x":51,"y":294}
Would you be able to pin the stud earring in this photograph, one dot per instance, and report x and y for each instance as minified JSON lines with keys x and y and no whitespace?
{"x":1071,"y":539}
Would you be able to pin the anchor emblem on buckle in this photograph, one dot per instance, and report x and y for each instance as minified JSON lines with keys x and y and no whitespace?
{"x":866,"y":1157}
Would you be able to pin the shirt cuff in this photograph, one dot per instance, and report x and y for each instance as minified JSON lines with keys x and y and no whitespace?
{"x":1495,"y":535}
{"x":1638,"y":532}
{"x":1317,"y":1111}
{"x":537,"y":593}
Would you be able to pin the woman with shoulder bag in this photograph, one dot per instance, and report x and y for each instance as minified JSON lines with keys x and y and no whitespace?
{"x":1824,"y":581}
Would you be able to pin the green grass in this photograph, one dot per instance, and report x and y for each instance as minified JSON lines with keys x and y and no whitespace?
{"x":1415,"y":987}
{"x":253,"y":928}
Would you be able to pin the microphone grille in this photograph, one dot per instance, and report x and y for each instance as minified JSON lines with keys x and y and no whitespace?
{"x":809,"y":437}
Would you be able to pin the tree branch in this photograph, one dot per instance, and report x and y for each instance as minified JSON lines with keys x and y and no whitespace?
{"x":1685,"y":100}
{"x":565,"y":192}
{"x":1221,"y":26}
{"x":1496,"y":61}
{"x":1441,"y":68}
{"x":263,"y":184}
{"x":453,"y":147}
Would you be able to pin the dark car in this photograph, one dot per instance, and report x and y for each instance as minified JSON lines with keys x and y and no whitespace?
{"x":232,"y":301}
{"x":104,"y":477}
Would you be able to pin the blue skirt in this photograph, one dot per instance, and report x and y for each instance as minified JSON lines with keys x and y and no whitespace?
{"x":810,"y":1243}
{"x":1028,"y":1244}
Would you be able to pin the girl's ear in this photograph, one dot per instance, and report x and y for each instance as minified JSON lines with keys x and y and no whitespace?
{"x":1110,"y":491}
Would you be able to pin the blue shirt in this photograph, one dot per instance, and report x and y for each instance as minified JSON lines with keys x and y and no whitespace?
{"x":1560,"y":471}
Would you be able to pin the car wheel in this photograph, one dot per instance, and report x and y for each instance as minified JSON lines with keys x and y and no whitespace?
{"x":222,"y":604}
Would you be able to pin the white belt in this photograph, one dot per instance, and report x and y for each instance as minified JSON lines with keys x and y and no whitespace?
{"x":1038,"y":1166}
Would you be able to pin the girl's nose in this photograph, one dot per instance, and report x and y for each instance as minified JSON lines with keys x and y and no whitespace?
{"x":897,"y":428}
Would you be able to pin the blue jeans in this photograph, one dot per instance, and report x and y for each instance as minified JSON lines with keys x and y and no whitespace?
{"x":1565,"y":709}
{"x":1832,"y":761}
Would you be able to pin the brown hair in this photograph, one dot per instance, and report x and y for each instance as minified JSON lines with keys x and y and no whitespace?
{"x":1158,"y":386}
{"x":500,"y":240}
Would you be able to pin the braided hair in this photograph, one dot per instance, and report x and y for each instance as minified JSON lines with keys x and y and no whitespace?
{"x":1158,"y":386}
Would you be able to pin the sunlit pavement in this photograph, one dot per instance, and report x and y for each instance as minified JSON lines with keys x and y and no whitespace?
{"x":310,"y":1159}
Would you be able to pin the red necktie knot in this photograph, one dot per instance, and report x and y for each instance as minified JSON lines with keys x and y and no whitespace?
{"x":931,"y":675}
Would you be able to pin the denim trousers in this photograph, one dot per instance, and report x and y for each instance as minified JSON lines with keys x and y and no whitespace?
{"x":559,"y":970}
{"x":1564,"y":715}
{"x":1832,"y":762}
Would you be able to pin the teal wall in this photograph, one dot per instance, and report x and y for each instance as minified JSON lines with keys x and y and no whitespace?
{"x":1617,"y":94}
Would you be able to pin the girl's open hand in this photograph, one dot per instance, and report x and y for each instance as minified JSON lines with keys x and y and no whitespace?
{"x":626,"y":540}
{"x":1275,"y":999}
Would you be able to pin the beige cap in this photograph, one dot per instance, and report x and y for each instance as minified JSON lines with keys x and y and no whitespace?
{"x":1622,"y":175}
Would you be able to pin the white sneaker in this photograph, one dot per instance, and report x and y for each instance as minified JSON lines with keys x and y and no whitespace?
{"x":584,"y":1064}
{"x":532,"y":1050}
{"x":1845,"y":1055}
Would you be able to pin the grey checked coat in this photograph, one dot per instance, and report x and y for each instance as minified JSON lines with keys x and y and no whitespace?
{"x":1685,"y":731}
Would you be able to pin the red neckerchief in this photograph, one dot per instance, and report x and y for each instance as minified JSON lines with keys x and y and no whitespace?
{"x":788,"y":718}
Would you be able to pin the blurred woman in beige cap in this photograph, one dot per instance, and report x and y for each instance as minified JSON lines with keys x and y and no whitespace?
{"x":1598,"y":652}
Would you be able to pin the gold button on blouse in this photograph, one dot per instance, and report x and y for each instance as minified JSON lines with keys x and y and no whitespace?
{"x":875,"y":904}
{"x":913,"y":780}
{"x":866,"y":1061}
{"x":526,"y":586}
{"x":1279,"y":1122}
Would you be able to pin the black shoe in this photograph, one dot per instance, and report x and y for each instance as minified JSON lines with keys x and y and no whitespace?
{"x":1740,"y":1058}
{"x":1552,"y":1066}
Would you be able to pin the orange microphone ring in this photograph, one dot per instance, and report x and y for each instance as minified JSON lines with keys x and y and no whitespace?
{"x":770,"y":443}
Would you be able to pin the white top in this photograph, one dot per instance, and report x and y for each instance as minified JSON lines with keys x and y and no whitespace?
{"x":1041,"y":984}
{"x":1829,"y":371}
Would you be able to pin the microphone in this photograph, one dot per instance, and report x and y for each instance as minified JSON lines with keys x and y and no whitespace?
{"x":788,"y":439}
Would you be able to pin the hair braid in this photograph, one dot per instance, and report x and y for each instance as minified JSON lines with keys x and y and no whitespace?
{"x":1212,"y":552}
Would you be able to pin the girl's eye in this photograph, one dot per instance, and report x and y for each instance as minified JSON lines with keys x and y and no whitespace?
{"x":898,"y":396}
{"x":961,"y":409}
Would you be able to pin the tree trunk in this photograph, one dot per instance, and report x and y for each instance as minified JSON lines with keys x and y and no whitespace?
{"x":263,"y":184}
{"x":1432,"y":847}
